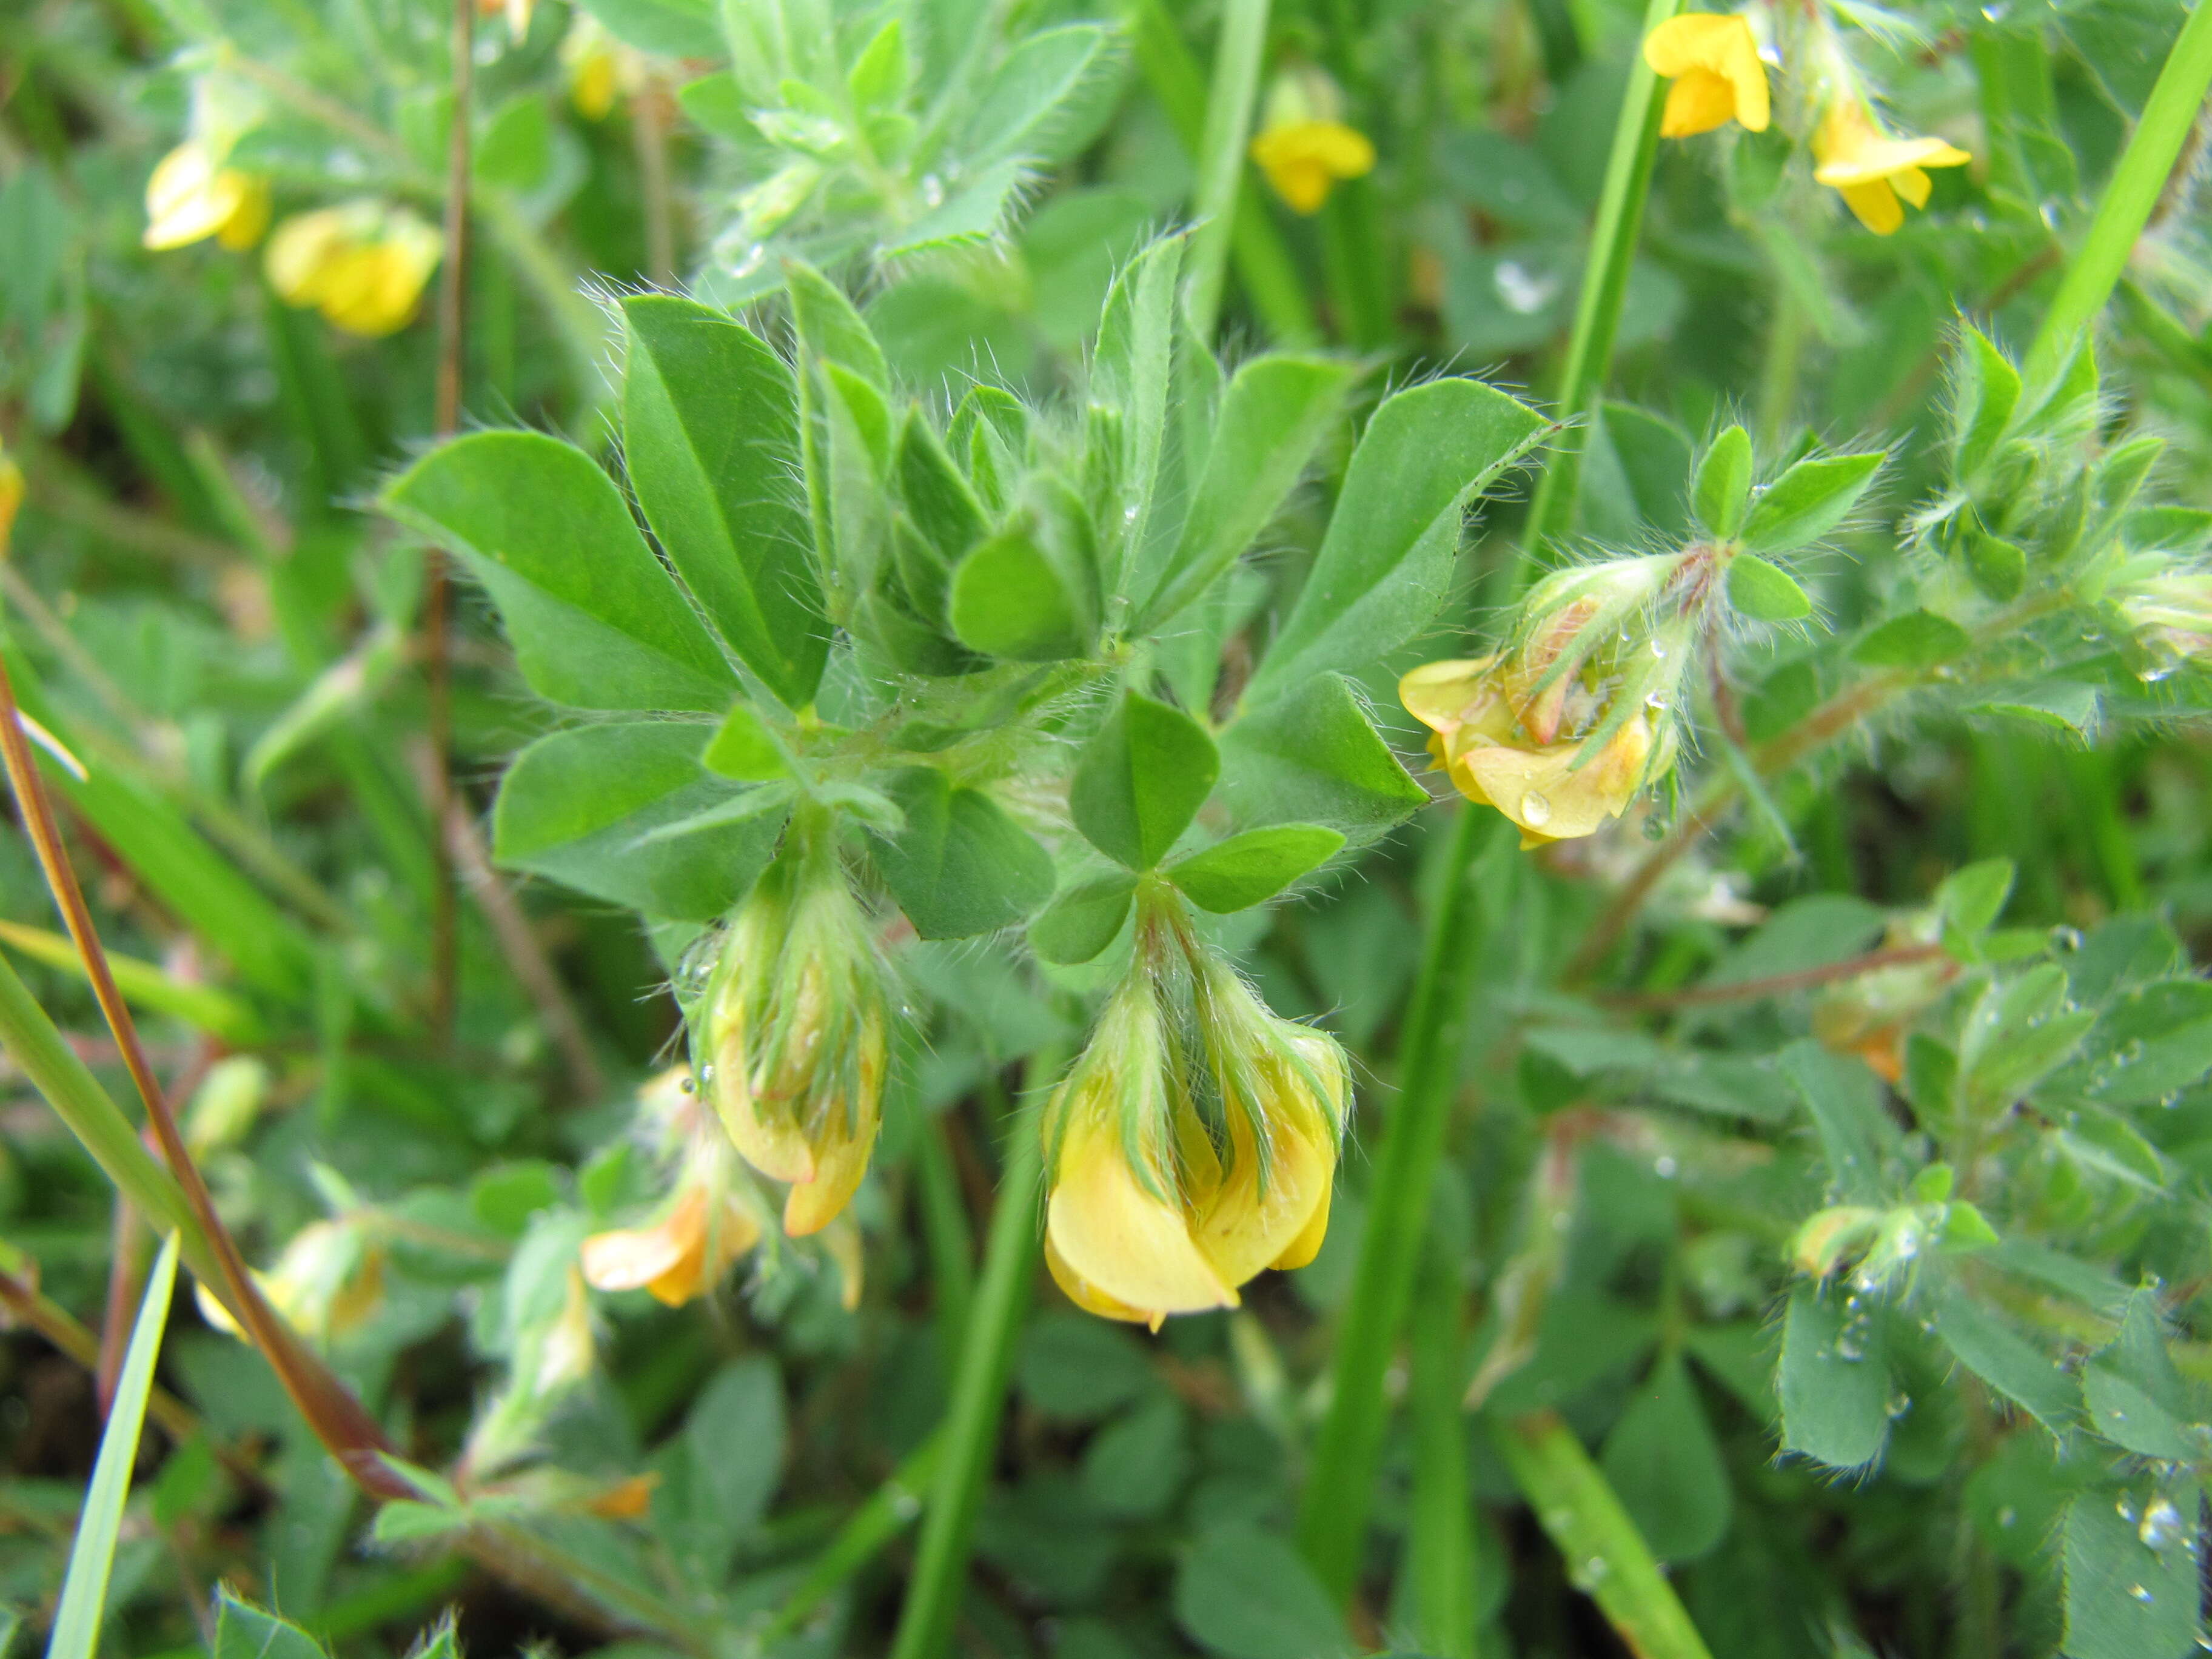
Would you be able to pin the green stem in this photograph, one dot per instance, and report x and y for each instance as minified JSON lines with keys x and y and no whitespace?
{"x":970,"y":1432}
{"x":861,"y":1540}
{"x":1778,"y":372}
{"x":37,"y":1047}
{"x":2130,"y":196}
{"x":1340,"y":1488}
{"x":1221,"y":156}
{"x":1597,"y":312}
{"x":1607,"y":1558}
{"x":1440,"y":1552}
{"x":1356,"y":260}
{"x":945,"y":1232}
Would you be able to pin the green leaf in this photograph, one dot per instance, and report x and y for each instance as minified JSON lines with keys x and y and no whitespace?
{"x":1856,"y":1135}
{"x":743,"y":748}
{"x":595,"y":621}
{"x":1130,"y":372}
{"x":1999,"y":568}
{"x":1015,"y":112}
{"x":1386,"y":561}
{"x":1834,"y":1381}
{"x":935,"y":494}
{"x":1082,"y":920}
{"x":718,"y":1475}
{"x":2124,"y":1599}
{"x":1722,"y":489}
{"x":1245,"y":1594}
{"x":1141,"y":779}
{"x":1918,"y":639}
{"x":2064,"y":706}
{"x":960,"y":866}
{"x":1072,"y":1369}
{"x":1973,"y":898}
{"x":243,"y":1631}
{"x":2013,"y":1366}
{"x":1252,"y":868}
{"x":2154,"y":1041}
{"x":1271,"y":419}
{"x":1009,"y":599}
{"x":1636,"y":471}
{"x":579,"y":807}
{"x":1311,"y":754}
{"x":671,"y":28}
{"x":1807,"y":501}
{"x":1134,"y":1465}
{"x":829,"y":329}
{"x":976,"y":214}
{"x":1987,"y":390}
{"x":77,"y":1615}
{"x":710,"y":437}
{"x":1765,"y":593}
{"x":1665,"y":1466}
{"x":2137,"y":1399}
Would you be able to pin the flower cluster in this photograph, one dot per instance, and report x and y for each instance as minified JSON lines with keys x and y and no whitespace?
{"x":1194,"y":1142}
{"x":796,"y":1027}
{"x":1718,"y":68}
{"x":1560,"y":731}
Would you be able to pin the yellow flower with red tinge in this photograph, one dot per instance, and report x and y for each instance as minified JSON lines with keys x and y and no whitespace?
{"x":1713,"y":61}
{"x":1871,"y":168}
{"x":1304,"y":146}
{"x":362,"y":264}
{"x":711,"y":1220}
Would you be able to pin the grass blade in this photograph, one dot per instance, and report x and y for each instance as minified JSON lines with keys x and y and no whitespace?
{"x":1221,"y":156}
{"x":84,"y":1589}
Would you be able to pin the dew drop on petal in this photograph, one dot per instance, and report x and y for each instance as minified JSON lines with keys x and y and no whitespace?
{"x":1536,"y":809}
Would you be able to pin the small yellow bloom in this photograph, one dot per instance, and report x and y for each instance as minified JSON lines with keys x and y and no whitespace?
{"x":601,"y":69}
{"x":1502,"y":750}
{"x":1870,"y":169}
{"x":1304,"y":146}
{"x":328,"y":1283}
{"x":1713,"y":62}
{"x":361,"y":264}
{"x":192,"y":196}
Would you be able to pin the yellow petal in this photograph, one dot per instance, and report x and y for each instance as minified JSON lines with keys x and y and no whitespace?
{"x":841,"y":1160}
{"x":1133,"y":1246}
{"x":1085,"y":1295}
{"x":300,"y":253}
{"x":634,"y":1258}
{"x":1875,"y":205}
{"x":1307,"y":1245}
{"x":1543,"y":792}
{"x":1245,"y":1228}
{"x":1440,"y":694}
{"x":1698,"y":101}
{"x":249,"y":218}
{"x":189,"y":197}
{"x":1696,"y":40}
{"x":1912,"y":185}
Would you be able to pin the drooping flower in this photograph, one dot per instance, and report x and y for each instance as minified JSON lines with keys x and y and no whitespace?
{"x":1303,"y":145}
{"x":328,"y":1282}
{"x":711,"y":1219}
{"x":1713,"y":61}
{"x":362,"y":264}
{"x":1169,"y":1191}
{"x":796,"y":1030}
{"x":1870,"y":168}
{"x":1560,"y":731}
{"x":192,"y":195}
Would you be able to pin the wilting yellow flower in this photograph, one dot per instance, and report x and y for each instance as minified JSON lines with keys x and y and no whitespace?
{"x":712,"y":1218}
{"x":362,"y":264}
{"x":1155,"y":1209}
{"x":1488,"y":743}
{"x":1713,"y":62}
{"x":328,"y":1282}
{"x":1870,"y":168}
{"x":1304,"y":146}
{"x":601,"y":68}
{"x":798,"y":1030}
{"x":192,"y":195}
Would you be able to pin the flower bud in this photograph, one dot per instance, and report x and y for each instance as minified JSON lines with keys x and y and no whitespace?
{"x":1832,"y":1235}
{"x":1560,"y":731}
{"x":711,"y":1219}
{"x":328,"y":1283}
{"x":601,"y":69}
{"x":797,"y":1029}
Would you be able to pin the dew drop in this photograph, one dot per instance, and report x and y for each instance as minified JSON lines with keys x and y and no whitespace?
{"x":2126,"y":1508}
{"x":2161,"y":1524}
{"x":2008,"y":1515}
{"x":933,"y":191}
{"x":1535,"y":810}
{"x":2140,"y":1593}
{"x":1664,"y":1166}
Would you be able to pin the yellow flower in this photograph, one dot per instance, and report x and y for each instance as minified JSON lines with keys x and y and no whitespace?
{"x":192,"y":196}
{"x":797,"y":1029}
{"x":361,"y":264}
{"x":1155,"y":1210}
{"x":1870,"y":169}
{"x":11,"y":497}
{"x":328,"y":1282}
{"x":1499,"y":751}
{"x":601,"y":68}
{"x":1304,"y":146}
{"x":1713,"y":62}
